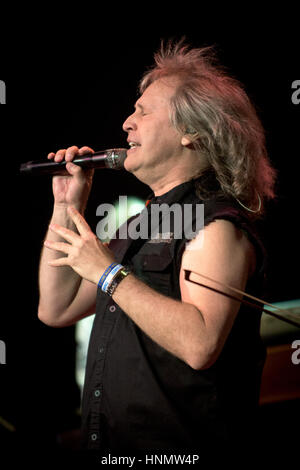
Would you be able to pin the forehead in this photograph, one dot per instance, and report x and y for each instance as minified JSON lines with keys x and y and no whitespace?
{"x":158,"y":93}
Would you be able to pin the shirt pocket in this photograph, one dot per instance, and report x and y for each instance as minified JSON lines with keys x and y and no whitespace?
{"x":153,"y":265}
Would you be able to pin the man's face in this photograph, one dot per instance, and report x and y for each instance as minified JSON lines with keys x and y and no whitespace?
{"x":158,"y":144}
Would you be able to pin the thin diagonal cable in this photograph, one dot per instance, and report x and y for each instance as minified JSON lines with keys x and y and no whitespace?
{"x":247,"y":302}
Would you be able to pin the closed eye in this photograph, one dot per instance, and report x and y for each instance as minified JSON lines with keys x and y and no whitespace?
{"x":141,"y":109}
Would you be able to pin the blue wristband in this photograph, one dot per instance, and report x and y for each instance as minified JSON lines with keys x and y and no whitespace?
{"x":110,"y":276}
{"x":105,"y":274}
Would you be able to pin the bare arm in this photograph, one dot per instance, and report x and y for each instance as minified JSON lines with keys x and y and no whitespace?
{"x":194,"y":328}
{"x":64,"y":296}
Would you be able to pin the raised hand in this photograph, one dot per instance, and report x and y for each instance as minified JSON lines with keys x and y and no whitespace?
{"x":74,"y":188}
{"x":86,"y":255}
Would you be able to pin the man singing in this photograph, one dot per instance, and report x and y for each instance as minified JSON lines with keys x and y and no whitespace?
{"x":172,"y":365}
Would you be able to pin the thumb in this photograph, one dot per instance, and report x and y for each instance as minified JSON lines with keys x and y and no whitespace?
{"x":73,"y":169}
{"x":79,"y":173}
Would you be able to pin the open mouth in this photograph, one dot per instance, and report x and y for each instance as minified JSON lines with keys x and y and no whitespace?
{"x":133,"y":145}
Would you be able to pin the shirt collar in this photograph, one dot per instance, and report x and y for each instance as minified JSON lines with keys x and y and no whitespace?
{"x":173,"y":195}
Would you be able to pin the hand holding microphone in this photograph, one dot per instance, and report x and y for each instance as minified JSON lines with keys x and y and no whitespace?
{"x":78,"y":164}
{"x":73,"y":187}
{"x":68,"y":265}
{"x":112,"y":158}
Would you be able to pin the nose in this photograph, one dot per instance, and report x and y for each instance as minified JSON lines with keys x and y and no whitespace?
{"x":129,"y":124}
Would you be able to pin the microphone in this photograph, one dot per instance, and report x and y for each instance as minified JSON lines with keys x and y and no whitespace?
{"x":112,"y":159}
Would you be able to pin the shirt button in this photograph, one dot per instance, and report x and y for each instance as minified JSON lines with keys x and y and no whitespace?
{"x":94,"y":437}
{"x":112,"y":308}
{"x":97,"y":393}
{"x":101,"y":350}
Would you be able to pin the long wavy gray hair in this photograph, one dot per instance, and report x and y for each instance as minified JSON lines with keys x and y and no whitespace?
{"x":214,"y":108}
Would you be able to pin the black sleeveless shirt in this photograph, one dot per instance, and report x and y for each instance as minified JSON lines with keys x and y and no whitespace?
{"x":137,"y":396}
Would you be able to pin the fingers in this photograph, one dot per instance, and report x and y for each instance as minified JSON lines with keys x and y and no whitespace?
{"x":58,"y":156}
{"x":65,"y":233}
{"x":84,"y":150}
{"x":58,"y":246}
{"x":75,"y":170}
{"x":72,"y":237}
{"x":81,"y":225}
{"x":69,"y":154}
{"x":59,"y":262}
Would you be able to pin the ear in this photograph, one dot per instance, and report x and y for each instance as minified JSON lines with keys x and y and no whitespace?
{"x":186,"y":141}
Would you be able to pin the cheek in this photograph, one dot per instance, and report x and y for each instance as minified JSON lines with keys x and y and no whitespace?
{"x":162,"y":136}
{"x":169,"y":143}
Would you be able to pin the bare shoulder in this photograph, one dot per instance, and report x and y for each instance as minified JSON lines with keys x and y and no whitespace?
{"x":221,"y":252}
{"x":220,"y":242}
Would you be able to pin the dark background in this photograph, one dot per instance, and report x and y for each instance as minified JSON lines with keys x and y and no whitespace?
{"x":73,"y":82}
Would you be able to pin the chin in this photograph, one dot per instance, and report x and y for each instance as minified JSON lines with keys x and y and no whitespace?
{"x":130,"y":165}
{"x":136,"y":170}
